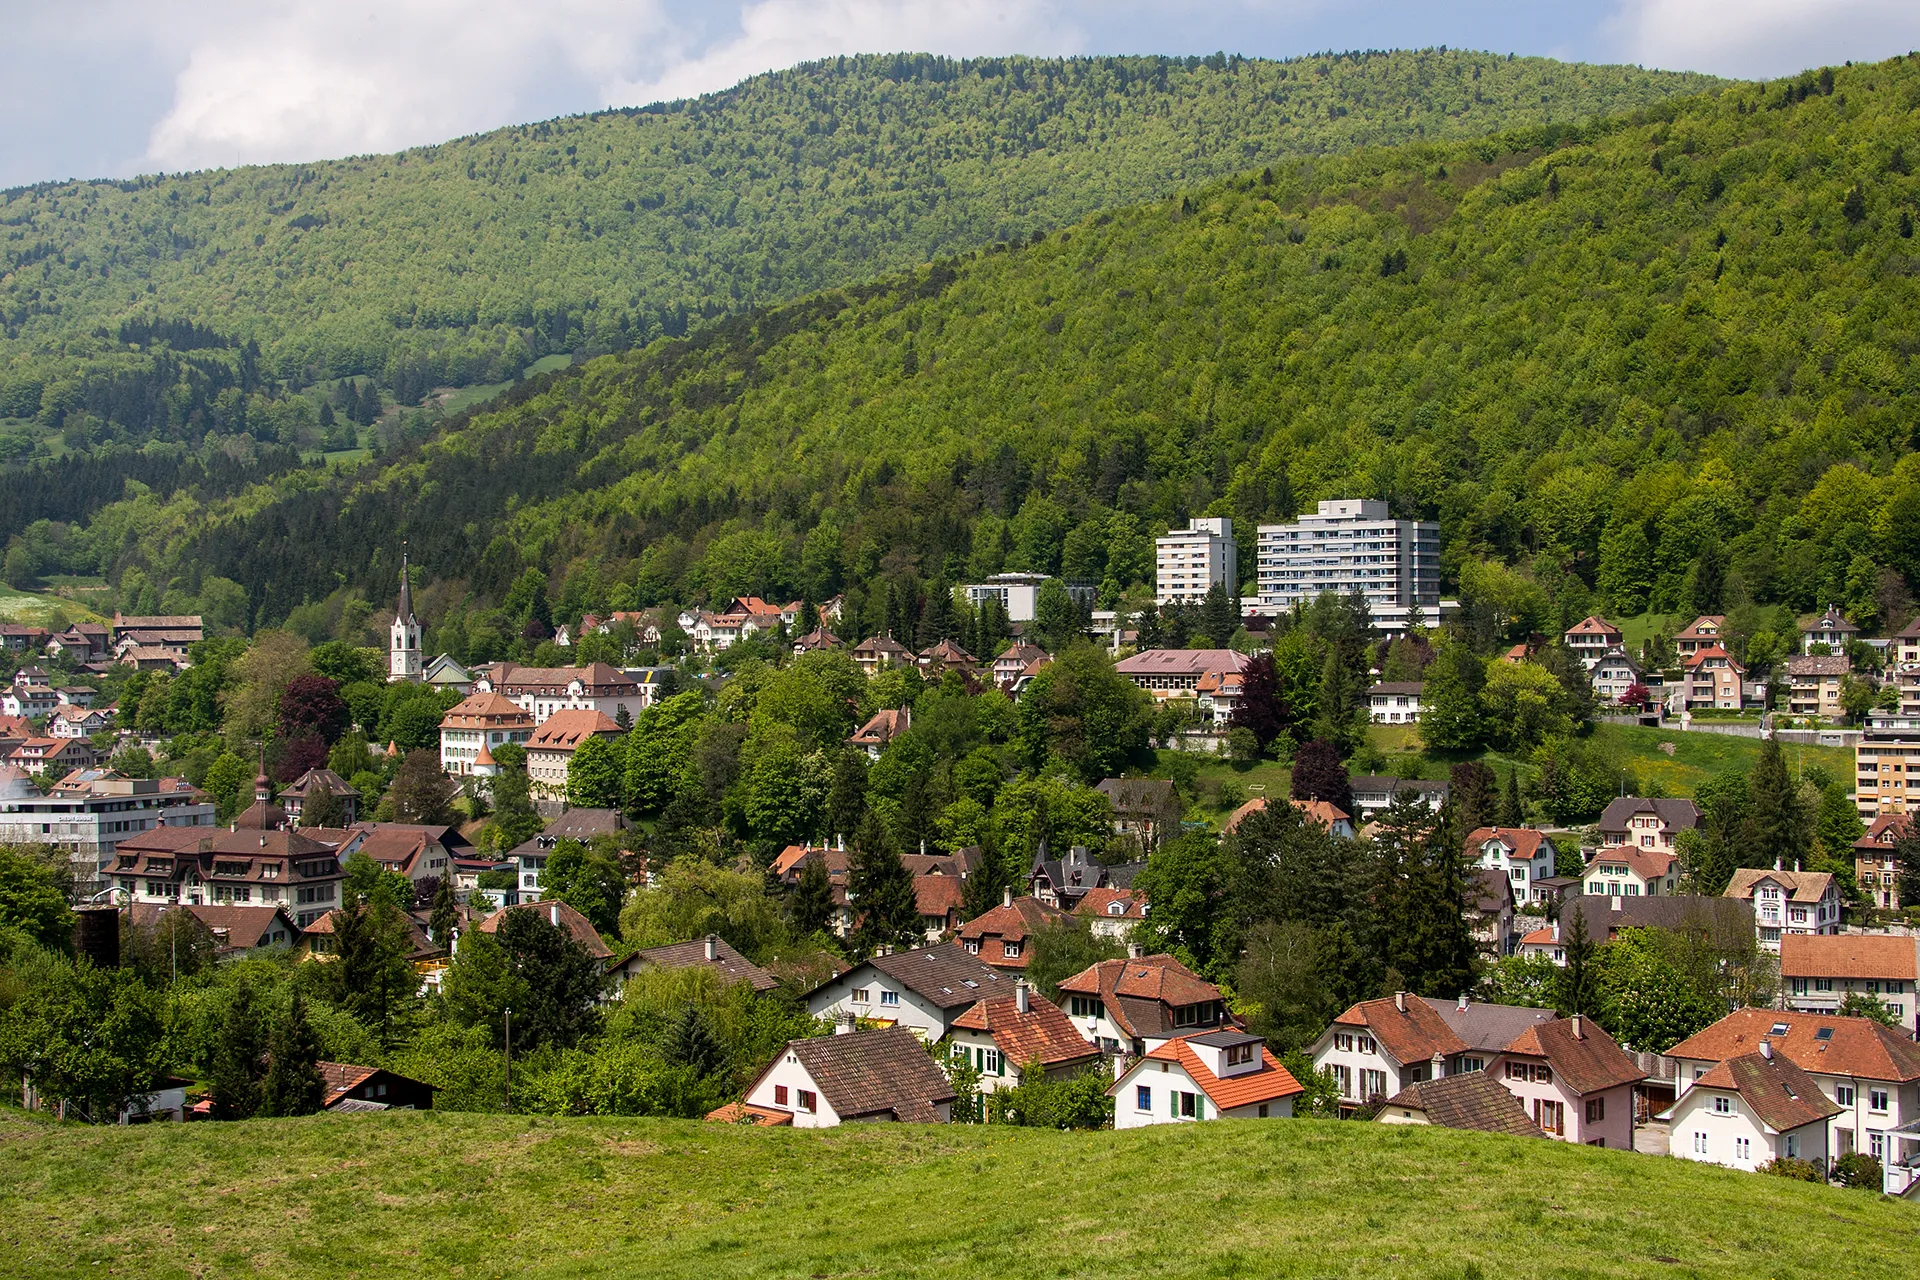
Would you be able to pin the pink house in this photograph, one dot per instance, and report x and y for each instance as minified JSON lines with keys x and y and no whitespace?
{"x":1573,"y":1080}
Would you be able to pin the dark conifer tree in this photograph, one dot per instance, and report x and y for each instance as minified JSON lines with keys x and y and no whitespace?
{"x":1775,"y":825}
{"x":1577,"y":990}
{"x":936,"y":620}
{"x":811,"y":907}
{"x":847,"y":797}
{"x":293,"y":1086}
{"x":690,"y":1043}
{"x":237,"y":1061}
{"x":1511,"y":813}
{"x":446,"y":916}
{"x":1472,"y":798}
{"x":880,"y":889}
{"x":1318,"y":774}
{"x":1259,"y":708}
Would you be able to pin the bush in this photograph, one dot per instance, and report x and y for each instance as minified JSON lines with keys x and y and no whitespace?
{"x":1787,"y":1167}
{"x":1858,"y":1169}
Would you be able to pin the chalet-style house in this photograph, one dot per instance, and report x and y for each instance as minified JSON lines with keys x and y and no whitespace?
{"x":1064,"y":881}
{"x":1002,"y":1036}
{"x":1875,"y":869}
{"x":1395,"y":701}
{"x":876,"y":653}
{"x":1015,"y":660}
{"x":1590,"y":640}
{"x":1869,"y":1073}
{"x":1628,"y":871}
{"x":946,"y":656}
{"x":69,"y":721}
{"x":1148,"y":809}
{"x":923,"y":990}
{"x":1220,"y":1075}
{"x":1468,"y":1100}
{"x":1003,"y":936}
{"x":1136,"y":1005}
{"x":1818,"y":972}
{"x":1704,"y":632}
{"x":312,"y":782}
{"x":712,"y":953}
{"x":1646,"y":823}
{"x":1568,"y":1073}
{"x":1788,"y":902}
{"x":1111,"y":913}
{"x":1831,"y":629}
{"x":883,"y":727}
{"x":1524,"y":854}
{"x":550,"y":749}
{"x":853,"y":1075}
{"x":351,"y":1088}
{"x":542,"y":691}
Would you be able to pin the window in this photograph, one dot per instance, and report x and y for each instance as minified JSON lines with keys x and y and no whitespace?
{"x":860,"y":995}
{"x":1596,"y":1110}
{"x":1239,"y":1053}
{"x":1823,"y":984}
{"x":1516,"y":1071}
{"x":779,"y":1095}
{"x":1471,"y":1064}
{"x":1365,"y":1044}
{"x":1010,"y":949}
{"x":889,"y":998}
{"x":1876,"y":1144}
{"x":1085,"y":1007}
{"x":1722,"y":1105}
{"x":1876,"y":1099}
{"x":1184,"y":1105}
{"x":1793,"y":1146}
{"x":1700,"y":1143}
{"x":1142,"y":1097}
{"x":1743,"y":1148}
{"x":1843,"y":1094}
{"x":973,"y":947}
{"x":807,"y":1100}
{"x":1343,"y":1042}
{"x":1550,"y":1116}
{"x":1263,"y":1111}
{"x":990,"y":1062}
{"x":1345,"y":1076}
{"x":1372,"y":1082}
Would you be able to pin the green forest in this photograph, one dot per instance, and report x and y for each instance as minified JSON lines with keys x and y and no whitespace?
{"x":1659,"y":360}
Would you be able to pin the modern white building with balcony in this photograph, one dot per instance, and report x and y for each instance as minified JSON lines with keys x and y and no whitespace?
{"x":1190,"y":562}
{"x":1351,"y":546}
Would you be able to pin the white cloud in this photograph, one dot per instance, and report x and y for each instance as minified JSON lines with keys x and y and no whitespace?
{"x":1759,"y":38}
{"x":779,"y":33}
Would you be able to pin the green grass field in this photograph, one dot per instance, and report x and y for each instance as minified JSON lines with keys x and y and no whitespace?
{"x":437,"y":1193}
{"x":29,"y":607}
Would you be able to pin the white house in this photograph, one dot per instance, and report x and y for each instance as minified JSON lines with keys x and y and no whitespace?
{"x":1002,"y":1036}
{"x":1626,"y":871}
{"x":851,"y":1075}
{"x":1223,"y":1075}
{"x":923,"y":990}
{"x":1110,"y":912}
{"x":1787,"y":902}
{"x":1745,"y":1111}
{"x":1395,"y":701}
{"x":1138,"y":1004}
{"x":1614,"y":673}
{"x":1525,"y":855}
{"x":1817,"y":973}
{"x":1646,"y":823}
{"x":1591,"y":639}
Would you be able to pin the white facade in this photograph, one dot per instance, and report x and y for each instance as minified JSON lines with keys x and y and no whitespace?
{"x":90,"y":824}
{"x":1019,"y":593}
{"x":787,"y":1086}
{"x":879,"y":1000}
{"x":1524,"y":873}
{"x":1161,"y":1091}
{"x":1192,"y":561}
{"x":403,"y":637}
{"x":1350,"y":546}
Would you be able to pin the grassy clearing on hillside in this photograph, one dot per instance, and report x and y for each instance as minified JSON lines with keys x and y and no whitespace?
{"x":445,"y":1194}
{"x":27,"y":607}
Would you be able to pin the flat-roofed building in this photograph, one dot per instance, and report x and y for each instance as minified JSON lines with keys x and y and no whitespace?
{"x":1350,"y":547}
{"x":1190,"y":562}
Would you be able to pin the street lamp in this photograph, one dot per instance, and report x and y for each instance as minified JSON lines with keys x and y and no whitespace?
{"x":509,"y":1017}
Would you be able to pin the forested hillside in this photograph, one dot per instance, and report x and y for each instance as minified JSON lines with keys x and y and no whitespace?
{"x":1599,"y":355}
{"x":172,"y":306}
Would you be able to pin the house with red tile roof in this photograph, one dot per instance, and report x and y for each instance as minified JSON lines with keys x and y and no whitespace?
{"x":1111,"y":912}
{"x":1524,"y":854}
{"x":1328,"y":815}
{"x":853,"y":1075}
{"x":1014,"y":660}
{"x":561,"y":916}
{"x":1749,"y":1110}
{"x":550,"y":749}
{"x":1704,"y":632}
{"x":1869,"y":1071}
{"x":1787,"y":902}
{"x":1002,"y":1036}
{"x":1714,"y":680}
{"x":481,"y":722}
{"x":1591,"y":638}
{"x":1219,"y":1075}
{"x":1627,"y":871}
{"x":1818,"y":972}
{"x":1003,"y":936}
{"x":1573,"y":1080}
{"x":1138,"y":1004}
{"x":354,"y":1088}
{"x":1470,"y":1100}
{"x":885,"y":725}
{"x":923,"y":990}
{"x":876,"y":653}
{"x":939,"y":898}
{"x":713,"y":953}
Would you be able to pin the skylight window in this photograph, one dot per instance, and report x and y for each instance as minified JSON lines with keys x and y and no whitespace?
{"x":968,"y":982}
{"x":1779,"y":1029}
{"x":1824,"y":1033}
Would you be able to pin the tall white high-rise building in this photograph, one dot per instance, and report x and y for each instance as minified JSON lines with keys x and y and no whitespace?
{"x":1347,"y":546}
{"x":1188,"y":562}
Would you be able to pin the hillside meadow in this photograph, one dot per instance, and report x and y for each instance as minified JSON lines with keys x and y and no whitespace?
{"x":462,"y":1195}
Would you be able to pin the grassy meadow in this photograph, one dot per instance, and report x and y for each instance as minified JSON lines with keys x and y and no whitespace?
{"x":465,"y":1195}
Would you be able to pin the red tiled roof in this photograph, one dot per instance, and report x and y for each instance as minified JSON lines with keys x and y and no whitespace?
{"x":565,"y":730}
{"x":1413,"y":1034}
{"x":556,"y":912}
{"x":1807,"y":955}
{"x":1590,"y":1062}
{"x":736,"y":1112}
{"x":1801,"y":886}
{"x":1158,"y":980}
{"x":1593,"y":626}
{"x":1182,"y":662}
{"x":1648,"y":864}
{"x":1858,"y":1047}
{"x":1043,"y":1034}
{"x":1098,"y":903}
{"x":1780,"y":1093}
{"x":938,"y":895}
{"x":1270,"y":1082}
{"x":485,"y":710}
{"x":1524,"y":841}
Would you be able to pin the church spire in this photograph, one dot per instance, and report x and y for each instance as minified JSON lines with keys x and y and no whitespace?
{"x":403,"y":651}
{"x":405,"y":610}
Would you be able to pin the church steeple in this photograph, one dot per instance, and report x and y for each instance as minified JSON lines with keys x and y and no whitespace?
{"x":403,"y":649}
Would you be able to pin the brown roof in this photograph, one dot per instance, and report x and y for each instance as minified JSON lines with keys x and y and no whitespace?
{"x":1138,"y":993}
{"x":1468,"y":1100}
{"x":886,"y":725}
{"x":944,"y":975}
{"x":565,"y":730}
{"x":1858,"y":1047}
{"x":1780,"y":1093}
{"x":1807,"y":955}
{"x":556,"y":912}
{"x":1590,"y":1061}
{"x":1801,"y":886}
{"x":1715,"y":621}
{"x":595,"y":675}
{"x":1524,"y":841}
{"x":1819,"y":664}
{"x":1885,"y":831}
{"x":1412,"y":1034}
{"x":1140,"y":795}
{"x":1099,"y":902}
{"x":1015,"y":921}
{"x":730,"y":964}
{"x":938,"y":895}
{"x":1648,"y":864}
{"x":1271,"y":1081}
{"x":1593,"y":626}
{"x":1680,"y":814}
{"x":486,"y":710}
{"x":1182,"y":662}
{"x":1043,"y":1034}
{"x":234,"y":927}
{"x":735,"y":1112}
{"x":875,"y":1073}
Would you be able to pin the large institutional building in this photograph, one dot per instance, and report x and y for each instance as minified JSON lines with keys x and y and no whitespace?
{"x":1192,"y":561}
{"x":1350,"y":546}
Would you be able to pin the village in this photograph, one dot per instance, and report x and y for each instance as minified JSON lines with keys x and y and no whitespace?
{"x":936,"y":960}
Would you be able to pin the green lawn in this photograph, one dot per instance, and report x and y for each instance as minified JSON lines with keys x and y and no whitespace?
{"x":464,"y":1195}
{"x":453,"y":402}
{"x":28,"y":607}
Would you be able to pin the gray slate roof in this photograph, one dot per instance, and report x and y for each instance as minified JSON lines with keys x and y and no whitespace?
{"x":875,"y":1073}
{"x":1678,"y":814}
{"x":1469,"y":1100}
{"x":946,"y":976}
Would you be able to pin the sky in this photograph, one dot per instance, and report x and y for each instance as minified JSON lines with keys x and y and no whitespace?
{"x":111,"y":88}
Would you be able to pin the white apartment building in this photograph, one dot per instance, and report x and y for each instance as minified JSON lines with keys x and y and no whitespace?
{"x":1019,"y":593}
{"x":1189,"y":562}
{"x":1347,"y":546}
{"x":91,"y":812}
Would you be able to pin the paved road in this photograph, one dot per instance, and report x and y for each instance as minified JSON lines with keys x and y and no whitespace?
{"x":1652,"y":1137}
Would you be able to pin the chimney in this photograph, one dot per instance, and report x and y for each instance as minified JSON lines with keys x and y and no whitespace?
{"x":1023,"y":996}
{"x":1796,"y":866}
{"x":553,"y":913}
{"x":1439,"y":1062}
{"x":1766,"y":1050}
{"x":1136,"y":951}
{"x":713,"y":946}
{"x":1776,"y":864}
{"x":1400,"y":1001}
{"x":1006,"y":896}
{"x":839,"y":842}
{"x":1462,"y":1005}
{"x":843,"y":1023}
{"x":1579,"y":1027}
{"x":1556,"y":930}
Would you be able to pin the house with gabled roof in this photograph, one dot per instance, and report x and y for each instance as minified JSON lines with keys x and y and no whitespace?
{"x":1523,"y":853}
{"x":1647,"y":823}
{"x":561,"y":916}
{"x":1470,"y":1100}
{"x":1747,"y":1111}
{"x":354,"y":1088}
{"x":817,"y":640}
{"x":1574,"y":1081}
{"x":1628,"y":871}
{"x":1814,"y":682}
{"x":314,"y":781}
{"x":945,"y":656}
{"x":1002,"y":936}
{"x":1137,"y":1004}
{"x":1869,"y":1071}
{"x":1787,"y":902}
{"x":1015,"y":659}
{"x":1615,"y":673}
{"x":1905,"y":646}
{"x":1329,"y":817}
{"x":713,"y":953}
{"x":1149,"y":809}
{"x":1876,"y":869}
{"x":1818,"y":972}
{"x":884,"y":1074}
{"x":1715,"y":680}
{"x":1218,"y":1075}
{"x":880,"y":729}
{"x":1111,"y":913}
{"x":1591,"y":638}
{"x":1061,"y":882}
{"x":1704,"y":632}
{"x":1395,"y":701}
{"x":1372,"y":793}
{"x":876,"y":653}
{"x":1002,"y":1036}
{"x":1831,"y":629}
{"x":923,"y":990}
{"x":1379,"y":1047}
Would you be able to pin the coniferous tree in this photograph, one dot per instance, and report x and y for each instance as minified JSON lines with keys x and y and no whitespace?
{"x":847,"y":796}
{"x":913,"y":825}
{"x":986,"y":887}
{"x":293,"y":1086}
{"x":811,"y":906}
{"x":880,"y":889}
{"x":236,"y":1063}
{"x":1710,"y":578}
{"x":936,"y":620}
{"x":690,"y":1043}
{"x":1577,"y":989}
{"x":1318,"y":774}
{"x":446,"y":915}
{"x":1774,"y":822}
{"x":369,"y":975}
{"x":809,"y":620}
{"x":321,"y":808}
{"x":1259,"y":708}
{"x":1219,"y":615}
{"x":1511,"y":813}
{"x":1472,"y":798}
